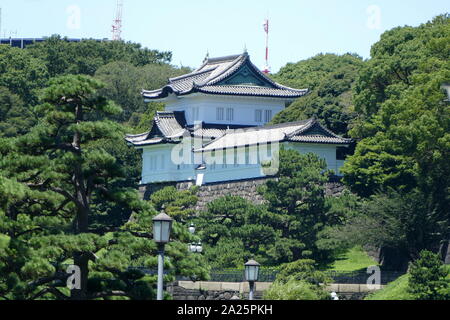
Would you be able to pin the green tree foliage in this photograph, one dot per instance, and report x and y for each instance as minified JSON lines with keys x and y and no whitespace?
{"x":178,"y":204}
{"x":402,"y":224}
{"x":297,"y":201}
{"x":21,"y":73}
{"x":64,"y":200}
{"x":294,"y":290}
{"x":289,"y":227}
{"x":429,"y":279}
{"x":404,"y":121}
{"x":15,"y":118}
{"x":299,"y":280}
{"x":62,"y":57}
{"x":330,"y":78}
{"x":404,"y":125}
{"x":233,"y":230}
{"x":125,"y":81}
{"x":126,"y":68}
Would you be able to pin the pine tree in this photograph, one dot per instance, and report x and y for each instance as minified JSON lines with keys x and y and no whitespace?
{"x":64,"y":201}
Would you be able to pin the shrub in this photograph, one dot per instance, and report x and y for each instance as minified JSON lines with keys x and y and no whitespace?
{"x":428,"y":278}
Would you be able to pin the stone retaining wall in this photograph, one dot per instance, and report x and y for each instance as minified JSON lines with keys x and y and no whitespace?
{"x":246,"y":189}
{"x":209,"y":290}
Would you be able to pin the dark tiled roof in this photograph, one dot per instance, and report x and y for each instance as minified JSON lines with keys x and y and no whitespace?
{"x":250,"y":91}
{"x":166,"y":127}
{"x":171,"y":126}
{"x":318,"y":139}
{"x":212,"y":72}
{"x":307,"y":131}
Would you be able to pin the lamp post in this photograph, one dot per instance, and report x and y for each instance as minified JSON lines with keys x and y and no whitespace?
{"x":251,"y":275}
{"x":162,"y":225}
{"x":446,"y":87}
{"x":196,"y":247}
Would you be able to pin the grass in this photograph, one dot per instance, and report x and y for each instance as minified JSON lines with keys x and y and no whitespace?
{"x":396,"y":290}
{"x":353,"y":260}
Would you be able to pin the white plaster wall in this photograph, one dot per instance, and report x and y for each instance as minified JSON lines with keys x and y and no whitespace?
{"x":325,"y":151}
{"x":165,"y":169}
{"x":244,"y":108}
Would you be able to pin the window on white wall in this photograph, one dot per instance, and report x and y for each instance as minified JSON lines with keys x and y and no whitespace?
{"x":212,"y":166}
{"x":163,"y":162}
{"x":247,"y":155}
{"x":153,"y":163}
{"x":224,"y":159}
{"x":230,"y":114}
{"x":195,"y":114}
{"x":219,"y":114}
{"x":268,"y":115}
{"x":269,"y":150}
{"x":258,"y":115}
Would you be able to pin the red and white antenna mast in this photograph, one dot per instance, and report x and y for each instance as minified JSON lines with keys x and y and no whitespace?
{"x":117,"y":23}
{"x":266,"y":69}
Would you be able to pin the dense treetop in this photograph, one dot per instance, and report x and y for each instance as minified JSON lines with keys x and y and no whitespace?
{"x":330,"y":78}
{"x":68,"y":180}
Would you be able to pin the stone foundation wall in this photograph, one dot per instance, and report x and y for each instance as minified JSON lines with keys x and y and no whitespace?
{"x":246,"y":189}
{"x":185,"y":290}
{"x":209,"y":290}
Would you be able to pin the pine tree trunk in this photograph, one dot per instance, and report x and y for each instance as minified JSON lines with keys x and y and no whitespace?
{"x":81,"y":259}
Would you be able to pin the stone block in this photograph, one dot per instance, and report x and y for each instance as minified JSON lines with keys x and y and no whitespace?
{"x":354,"y":288}
{"x":370,"y":288}
{"x":244,"y":287}
{"x":231,"y":286}
{"x":210,"y":286}
{"x":263,"y":286}
{"x":334,"y":287}
{"x":190,"y":285}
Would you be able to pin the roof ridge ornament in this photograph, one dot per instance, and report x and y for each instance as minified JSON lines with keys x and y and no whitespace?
{"x":206,"y":57}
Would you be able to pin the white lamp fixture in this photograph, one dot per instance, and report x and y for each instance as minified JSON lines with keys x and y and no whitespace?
{"x":199,"y":247}
{"x":196,"y":247}
{"x":162,"y":226}
{"x":446,"y":87}
{"x":251,"y":275}
{"x":252,"y":271}
{"x":192,"y":228}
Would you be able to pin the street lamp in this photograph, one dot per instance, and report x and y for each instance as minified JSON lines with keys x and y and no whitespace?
{"x":162,"y":225}
{"x":446,"y":87}
{"x":196,"y":247}
{"x":251,"y":275}
{"x":191,"y":228}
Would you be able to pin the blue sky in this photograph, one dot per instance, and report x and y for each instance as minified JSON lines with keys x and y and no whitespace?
{"x":299,"y":29}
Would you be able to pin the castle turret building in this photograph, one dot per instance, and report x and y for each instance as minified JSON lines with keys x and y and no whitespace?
{"x":214,"y":127}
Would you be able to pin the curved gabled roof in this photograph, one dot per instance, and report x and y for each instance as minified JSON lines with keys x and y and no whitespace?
{"x":214,"y":75}
{"x":170,"y":127}
{"x":306,"y":131}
